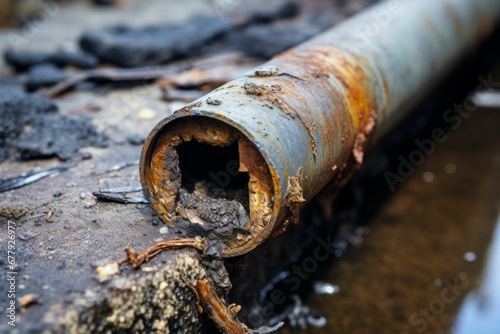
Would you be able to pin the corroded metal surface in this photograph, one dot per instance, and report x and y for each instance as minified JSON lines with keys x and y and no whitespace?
{"x":304,"y":120}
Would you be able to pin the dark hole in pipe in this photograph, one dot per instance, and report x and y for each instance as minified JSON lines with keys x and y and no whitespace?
{"x":216,"y":168}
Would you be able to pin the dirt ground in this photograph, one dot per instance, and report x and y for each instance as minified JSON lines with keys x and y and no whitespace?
{"x":57,"y":257}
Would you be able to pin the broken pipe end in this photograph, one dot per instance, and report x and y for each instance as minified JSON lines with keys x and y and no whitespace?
{"x":186,"y":151}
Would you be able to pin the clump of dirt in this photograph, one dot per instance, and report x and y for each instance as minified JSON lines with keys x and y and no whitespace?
{"x":31,"y":128}
{"x":205,"y":206}
{"x":13,"y":212}
{"x":219,"y":214}
{"x":156,"y":300}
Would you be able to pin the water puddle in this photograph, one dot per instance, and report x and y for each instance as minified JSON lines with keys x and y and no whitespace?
{"x":429,"y":263}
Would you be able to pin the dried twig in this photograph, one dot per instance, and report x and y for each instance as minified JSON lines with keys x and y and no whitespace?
{"x":222,"y":314}
{"x":137,"y":259}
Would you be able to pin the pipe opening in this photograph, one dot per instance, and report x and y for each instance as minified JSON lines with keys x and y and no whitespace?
{"x":202,"y":171}
{"x":215,"y":169}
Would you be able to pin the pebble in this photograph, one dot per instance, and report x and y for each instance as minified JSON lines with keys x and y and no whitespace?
{"x":90,"y":203}
{"x":146,"y":114}
{"x":106,"y":271}
{"x":164,"y":230}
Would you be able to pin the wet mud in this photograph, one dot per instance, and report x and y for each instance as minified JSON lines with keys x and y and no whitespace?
{"x":427,"y":261}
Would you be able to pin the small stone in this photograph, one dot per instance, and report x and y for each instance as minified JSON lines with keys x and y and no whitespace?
{"x":146,"y":114}
{"x":164,"y":230}
{"x":106,"y":271}
{"x":163,"y":285}
{"x":28,"y":299}
{"x":83,"y":195}
{"x":90,"y":203}
{"x":135,"y":139}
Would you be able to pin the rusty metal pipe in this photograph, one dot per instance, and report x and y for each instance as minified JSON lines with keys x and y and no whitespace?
{"x":303,"y":120}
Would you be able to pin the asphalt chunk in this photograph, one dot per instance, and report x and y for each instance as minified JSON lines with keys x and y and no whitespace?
{"x":44,"y":75}
{"x":152,"y":45}
{"x":24,"y":60}
{"x":18,"y":109}
{"x":60,"y":136}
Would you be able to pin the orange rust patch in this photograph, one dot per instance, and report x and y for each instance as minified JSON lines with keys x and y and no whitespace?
{"x":348,"y":71}
{"x":360,"y":143}
{"x":294,"y":199}
{"x":327,"y":67}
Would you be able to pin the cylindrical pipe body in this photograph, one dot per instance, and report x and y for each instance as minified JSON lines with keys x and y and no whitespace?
{"x":304,"y":119}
